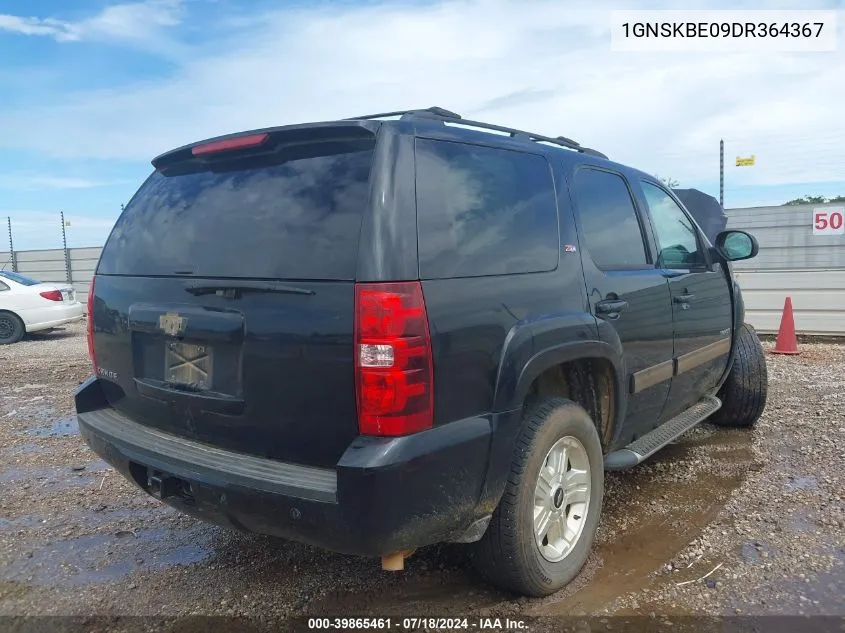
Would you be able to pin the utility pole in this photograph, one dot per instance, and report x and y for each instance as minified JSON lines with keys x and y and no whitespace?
{"x":64,"y":246}
{"x":12,"y":255}
{"x":722,"y":174}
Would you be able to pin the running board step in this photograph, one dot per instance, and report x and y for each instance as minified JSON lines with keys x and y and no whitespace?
{"x":652,"y":442}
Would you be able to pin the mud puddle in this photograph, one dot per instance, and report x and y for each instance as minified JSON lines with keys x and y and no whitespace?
{"x":449,"y":593}
{"x":803,"y":482}
{"x":32,"y":408}
{"x":755,"y":551}
{"x":651,"y":513}
{"x":627,"y":562}
{"x":816,"y":594}
{"x":100,"y":558}
{"x":23,"y":449}
{"x":19,"y":522}
{"x":60,"y":428}
{"x":808,"y":594}
{"x":52,"y":477}
{"x":88,"y":517}
{"x":801,"y":520}
{"x":29,"y":387}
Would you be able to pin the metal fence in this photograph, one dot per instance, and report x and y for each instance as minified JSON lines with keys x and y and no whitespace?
{"x":792,"y":262}
{"x":73,"y":265}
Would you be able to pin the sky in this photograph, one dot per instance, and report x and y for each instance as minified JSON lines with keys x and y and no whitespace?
{"x":92,"y":90}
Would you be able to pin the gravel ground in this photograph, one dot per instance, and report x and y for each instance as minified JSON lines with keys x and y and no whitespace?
{"x":719,"y":523}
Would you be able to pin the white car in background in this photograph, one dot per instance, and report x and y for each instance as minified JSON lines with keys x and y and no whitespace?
{"x":27,"y":305}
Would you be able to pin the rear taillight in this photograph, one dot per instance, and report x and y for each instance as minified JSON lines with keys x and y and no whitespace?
{"x":90,"y":319}
{"x":393,"y":366}
{"x":52,"y":295}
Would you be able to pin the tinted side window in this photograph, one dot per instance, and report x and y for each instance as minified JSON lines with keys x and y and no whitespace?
{"x":609,"y":220}
{"x":484,"y":211}
{"x":676,"y":236}
{"x":3,"y":286}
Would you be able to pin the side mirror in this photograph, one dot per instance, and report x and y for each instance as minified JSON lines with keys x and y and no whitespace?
{"x":736,"y":245}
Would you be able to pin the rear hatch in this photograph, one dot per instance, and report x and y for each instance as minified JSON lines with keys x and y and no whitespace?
{"x":224,"y":298}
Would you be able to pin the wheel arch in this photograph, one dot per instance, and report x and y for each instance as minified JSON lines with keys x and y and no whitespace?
{"x":538,"y":348}
{"x":592,"y":374}
{"x":516,"y":379}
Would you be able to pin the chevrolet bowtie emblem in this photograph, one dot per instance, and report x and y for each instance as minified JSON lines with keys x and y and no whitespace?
{"x":172,"y":324}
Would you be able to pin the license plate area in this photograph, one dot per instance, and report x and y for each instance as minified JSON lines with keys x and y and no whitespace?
{"x":189,"y":365}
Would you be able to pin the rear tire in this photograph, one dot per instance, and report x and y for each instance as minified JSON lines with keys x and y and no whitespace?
{"x":542,"y":531}
{"x":11,"y":328}
{"x":746,"y":389}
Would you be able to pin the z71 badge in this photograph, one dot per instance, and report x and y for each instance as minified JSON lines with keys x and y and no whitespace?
{"x":107,"y":373}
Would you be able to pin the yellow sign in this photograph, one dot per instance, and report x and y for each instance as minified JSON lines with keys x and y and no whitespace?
{"x":745,"y":162}
{"x":67,"y":222}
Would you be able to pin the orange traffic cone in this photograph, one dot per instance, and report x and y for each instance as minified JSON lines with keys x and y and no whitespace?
{"x":786,"y":343}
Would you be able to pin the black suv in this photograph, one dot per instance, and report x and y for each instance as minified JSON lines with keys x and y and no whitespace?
{"x":385,"y":332}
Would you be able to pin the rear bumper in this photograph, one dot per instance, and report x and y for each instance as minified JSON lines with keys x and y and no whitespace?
{"x":385,"y":495}
{"x":52,"y":316}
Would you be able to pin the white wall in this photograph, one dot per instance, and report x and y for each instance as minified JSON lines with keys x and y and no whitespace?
{"x":818,"y":299}
{"x":792,"y":262}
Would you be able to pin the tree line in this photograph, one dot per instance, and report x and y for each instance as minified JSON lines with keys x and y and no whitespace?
{"x":813,"y":200}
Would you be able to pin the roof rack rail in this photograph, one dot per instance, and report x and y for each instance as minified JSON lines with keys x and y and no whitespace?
{"x":444,"y":115}
{"x":433,"y":112}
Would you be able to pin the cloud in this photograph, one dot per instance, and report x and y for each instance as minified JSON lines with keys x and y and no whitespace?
{"x":28,"y":182}
{"x":133,"y":21}
{"x":536,"y":65}
{"x":61,"y":31}
{"x":137,"y":20}
{"x":519,"y":97}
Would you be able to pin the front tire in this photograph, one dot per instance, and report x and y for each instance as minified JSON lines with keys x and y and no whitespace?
{"x":746,"y":389}
{"x":543,"y":529}
{"x":11,"y":328}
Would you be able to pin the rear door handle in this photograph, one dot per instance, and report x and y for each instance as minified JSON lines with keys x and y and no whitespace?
{"x":684,"y":298}
{"x":611,"y":306}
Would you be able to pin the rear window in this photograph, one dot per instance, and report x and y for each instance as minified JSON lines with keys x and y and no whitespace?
{"x":296,"y":215}
{"x":484,"y":211}
{"x":18,"y":278}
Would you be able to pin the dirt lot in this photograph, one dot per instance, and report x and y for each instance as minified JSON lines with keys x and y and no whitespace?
{"x":763,"y":511}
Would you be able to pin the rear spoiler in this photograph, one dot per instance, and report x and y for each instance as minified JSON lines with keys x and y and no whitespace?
{"x":266,"y":140}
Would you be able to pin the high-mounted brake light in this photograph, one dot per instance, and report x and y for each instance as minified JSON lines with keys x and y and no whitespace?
{"x":239,"y":142}
{"x":52,"y":295}
{"x":394,"y":377}
{"x":90,"y":317}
